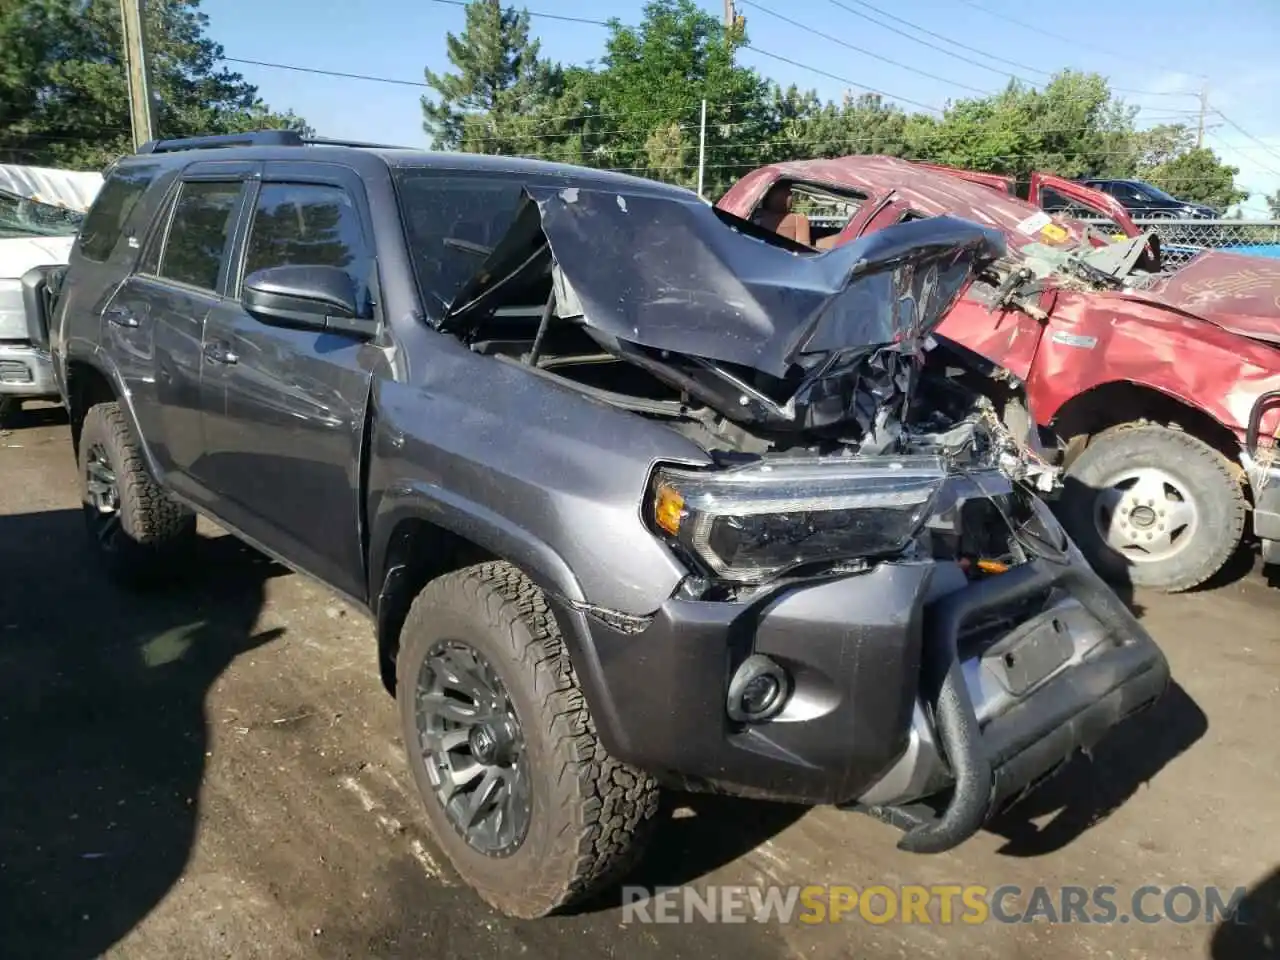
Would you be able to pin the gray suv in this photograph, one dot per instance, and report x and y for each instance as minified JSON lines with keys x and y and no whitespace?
{"x":636,"y":493}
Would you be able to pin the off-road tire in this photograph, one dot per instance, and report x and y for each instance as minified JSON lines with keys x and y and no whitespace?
{"x":1207,"y":476}
{"x":155,"y":534}
{"x":591,"y":814}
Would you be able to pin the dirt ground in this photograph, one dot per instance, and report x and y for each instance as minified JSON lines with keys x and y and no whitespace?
{"x":216,"y":772}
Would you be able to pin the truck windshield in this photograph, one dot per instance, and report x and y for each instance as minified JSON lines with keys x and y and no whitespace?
{"x":24,"y":217}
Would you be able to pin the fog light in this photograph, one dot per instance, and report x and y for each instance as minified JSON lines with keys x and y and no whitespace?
{"x":758,"y":690}
{"x":759,"y":693}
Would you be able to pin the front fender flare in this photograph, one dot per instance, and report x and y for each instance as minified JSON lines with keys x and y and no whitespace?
{"x":473,"y":522}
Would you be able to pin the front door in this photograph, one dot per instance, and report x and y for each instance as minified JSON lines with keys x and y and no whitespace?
{"x":154,"y":323}
{"x":285,"y":409}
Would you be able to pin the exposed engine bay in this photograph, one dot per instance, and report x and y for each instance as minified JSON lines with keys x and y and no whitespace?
{"x":778,"y":362}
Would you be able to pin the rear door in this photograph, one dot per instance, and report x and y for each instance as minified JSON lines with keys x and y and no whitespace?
{"x":153,"y":325}
{"x":284,"y":409}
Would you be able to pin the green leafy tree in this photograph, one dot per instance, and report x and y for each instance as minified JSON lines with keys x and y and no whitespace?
{"x":1199,"y":176}
{"x":638,"y":109}
{"x":64,"y":97}
{"x":865,"y":124}
{"x":1073,"y":127}
{"x":649,"y":86}
{"x":1273,"y":204}
{"x":500,"y":79}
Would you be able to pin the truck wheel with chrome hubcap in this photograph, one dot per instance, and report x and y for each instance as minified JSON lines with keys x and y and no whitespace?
{"x":1154,"y":507}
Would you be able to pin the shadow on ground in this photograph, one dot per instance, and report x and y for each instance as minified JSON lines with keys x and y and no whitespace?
{"x":102,"y":720}
{"x":16,"y":417}
{"x":697,"y":834}
{"x":1254,"y":932}
{"x":1090,"y":788}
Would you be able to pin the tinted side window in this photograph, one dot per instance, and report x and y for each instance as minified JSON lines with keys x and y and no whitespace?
{"x":308,"y":224}
{"x":452,"y":224}
{"x":107,"y":217}
{"x":1051,"y":199}
{"x":203,"y":219}
{"x":150,"y":261}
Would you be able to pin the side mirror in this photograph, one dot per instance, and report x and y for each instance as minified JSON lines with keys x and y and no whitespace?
{"x":306,"y":297}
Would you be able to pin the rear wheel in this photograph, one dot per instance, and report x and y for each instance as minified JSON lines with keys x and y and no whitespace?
{"x":1154,"y":507}
{"x":137,"y":531}
{"x":520,"y":793}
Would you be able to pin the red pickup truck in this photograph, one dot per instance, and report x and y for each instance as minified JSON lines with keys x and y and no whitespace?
{"x":1157,"y":390}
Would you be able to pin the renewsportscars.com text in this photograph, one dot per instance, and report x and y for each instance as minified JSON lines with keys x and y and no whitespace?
{"x":970,"y":904}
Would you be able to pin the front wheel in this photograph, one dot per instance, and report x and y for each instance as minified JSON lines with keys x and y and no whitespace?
{"x":1154,"y":507}
{"x":521,"y":795}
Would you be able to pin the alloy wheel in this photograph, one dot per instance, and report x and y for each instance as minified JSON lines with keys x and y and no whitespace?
{"x":473,"y":748}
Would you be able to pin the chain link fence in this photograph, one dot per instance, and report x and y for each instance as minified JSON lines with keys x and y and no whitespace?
{"x":1180,"y":239}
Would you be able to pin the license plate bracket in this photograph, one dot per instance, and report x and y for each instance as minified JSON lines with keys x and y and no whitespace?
{"x":1031,"y":653}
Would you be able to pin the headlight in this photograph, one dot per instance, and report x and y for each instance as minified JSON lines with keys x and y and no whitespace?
{"x":751,"y":523}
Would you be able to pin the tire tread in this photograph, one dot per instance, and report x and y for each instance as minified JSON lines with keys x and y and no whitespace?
{"x":612,"y":805}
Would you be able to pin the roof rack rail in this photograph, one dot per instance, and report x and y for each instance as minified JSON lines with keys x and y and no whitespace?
{"x":255,"y":138}
{"x":330,"y":142}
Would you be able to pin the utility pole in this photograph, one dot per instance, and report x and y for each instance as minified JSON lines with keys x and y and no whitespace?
{"x":1204,"y":109}
{"x":729,"y":14}
{"x":141,"y":114}
{"x":702,"y":146}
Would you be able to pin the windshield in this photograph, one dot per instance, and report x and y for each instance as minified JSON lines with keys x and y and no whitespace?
{"x":453,"y":223}
{"x":22,"y":217}
{"x":1152,"y":193}
{"x":454,"y":220}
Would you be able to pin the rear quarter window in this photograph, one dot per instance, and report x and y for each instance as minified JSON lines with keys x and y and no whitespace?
{"x":110,"y":212}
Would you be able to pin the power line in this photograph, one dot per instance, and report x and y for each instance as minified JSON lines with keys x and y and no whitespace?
{"x":542,"y":16}
{"x":1034,"y":28}
{"x":965,"y":46}
{"x":863,"y":51}
{"x":565,"y":118}
{"x":1265,"y":146}
{"x":835,"y":76}
{"x":938,"y":36}
{"x":317,"y":71}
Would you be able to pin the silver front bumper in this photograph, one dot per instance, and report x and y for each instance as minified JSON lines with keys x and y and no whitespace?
{"x":921,"y":771}
{"x":26,"y":371}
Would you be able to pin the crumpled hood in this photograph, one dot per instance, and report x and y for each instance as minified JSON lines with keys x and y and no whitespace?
{"x":680,"y":276}
{"x":1235,"y":291}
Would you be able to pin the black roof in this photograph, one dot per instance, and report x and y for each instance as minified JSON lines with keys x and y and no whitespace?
{"x":288,"y":145}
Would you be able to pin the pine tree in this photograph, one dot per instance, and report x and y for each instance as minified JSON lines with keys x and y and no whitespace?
{"x":498,"y":76}
{"x":63,"y":93}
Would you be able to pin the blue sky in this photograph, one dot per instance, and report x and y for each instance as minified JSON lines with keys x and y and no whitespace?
{"x":1159,"y":51}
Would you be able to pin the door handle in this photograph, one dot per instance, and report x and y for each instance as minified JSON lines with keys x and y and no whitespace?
{"x":219,"y":353}
{"x":120,"y":317}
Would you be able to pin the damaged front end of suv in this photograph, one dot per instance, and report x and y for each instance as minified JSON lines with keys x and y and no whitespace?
{"x":877,"y":609}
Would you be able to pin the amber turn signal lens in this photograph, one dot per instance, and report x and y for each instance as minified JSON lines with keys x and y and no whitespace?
{"x":992,"y":566}
{"x":668,"y":509}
